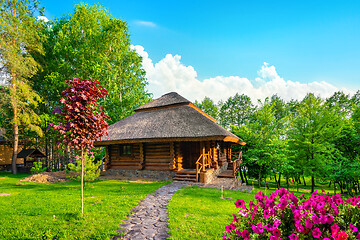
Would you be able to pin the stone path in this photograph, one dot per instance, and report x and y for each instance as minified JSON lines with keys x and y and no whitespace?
{"x":149,"y":219}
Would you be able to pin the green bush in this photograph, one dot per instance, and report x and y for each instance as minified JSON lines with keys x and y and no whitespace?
{"x":91,"y":169}
{"x":37,"y":168}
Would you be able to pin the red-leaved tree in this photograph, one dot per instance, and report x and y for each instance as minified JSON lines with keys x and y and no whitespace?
{"x":82,"y":120}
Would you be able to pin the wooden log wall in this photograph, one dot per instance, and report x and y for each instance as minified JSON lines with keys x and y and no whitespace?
{"x":178,"y":156}
{"x":118,"y":161}
{"x":159,"y":156}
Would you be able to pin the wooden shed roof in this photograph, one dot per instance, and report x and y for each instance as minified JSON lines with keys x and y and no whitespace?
{"x":30,"y":153}
{"x":168,"y":118}
{"x":2,"y":135}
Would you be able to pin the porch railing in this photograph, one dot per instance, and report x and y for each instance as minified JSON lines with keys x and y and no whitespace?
{"x":203,"y":161}
{"x":236,"y":164}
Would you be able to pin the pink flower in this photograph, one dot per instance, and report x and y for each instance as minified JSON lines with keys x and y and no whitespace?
{"x":299,"y":227}
{"x":293,"y":237}
{"x":230,"y":227}
{"x":329,"y":219}
{"x":260,"y":227}
{"x":308,"y":223}
{"x":316,"y":233}
{"x":334,"y":229}
{"x":276,"y":232}
{"x":246,"y":234}
{"x":353,"y":228}
{"x":277,"y":223}
{"x":240,"y":204}
{"x":268,"y":227}
{"x":315,"y":219}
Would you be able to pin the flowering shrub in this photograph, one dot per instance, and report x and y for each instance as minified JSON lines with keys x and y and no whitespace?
{"x":285,"y":216}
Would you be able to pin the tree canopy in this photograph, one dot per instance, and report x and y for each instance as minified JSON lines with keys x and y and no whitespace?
{"x":92,"y":43}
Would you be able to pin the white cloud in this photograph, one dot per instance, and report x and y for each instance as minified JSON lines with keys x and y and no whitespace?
{"x":42,"y":18}
{"x":169,"y":74}
{"x":145,"y":23}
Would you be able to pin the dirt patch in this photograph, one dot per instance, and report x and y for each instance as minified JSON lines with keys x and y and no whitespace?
{"x":2,"y":177}
{"x":4,"y":194}
{"x":47,"y":177}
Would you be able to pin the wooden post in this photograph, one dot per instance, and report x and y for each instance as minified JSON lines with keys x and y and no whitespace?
{"x":107,"y":158}
{"x":172,"y":156}
{"x":142,"y":156}
{"x":203,"y":156}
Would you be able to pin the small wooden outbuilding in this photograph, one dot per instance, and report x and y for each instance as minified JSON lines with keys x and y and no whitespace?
{"x":170,"y":134}
{"x":30,"y":156}
{"x":6,"y":152}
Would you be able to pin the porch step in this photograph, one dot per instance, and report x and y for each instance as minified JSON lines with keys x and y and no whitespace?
{"x":186,"y":175}
{"x":184,"y":179}
{"x":226,"y":174}
{"x":230,"y":166}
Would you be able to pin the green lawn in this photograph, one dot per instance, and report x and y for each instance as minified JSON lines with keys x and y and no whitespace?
{"x":51,"y":211}
{"x":200,"y":213}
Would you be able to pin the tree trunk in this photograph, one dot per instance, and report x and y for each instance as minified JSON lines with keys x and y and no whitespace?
{"x":82,"y":181}
{"x":246,"y":180}
{"x":241,"y":174}
{"x":287,"y":182}
{"x":15,"y":116}
{"x":304,"y":181}
{"x":15,"y":126}
{"x":275,"y":179}
{"x":330,"y":184}
{"x":312,"y":183}
{"x":260,"y":178}
{"x":279,"y":181}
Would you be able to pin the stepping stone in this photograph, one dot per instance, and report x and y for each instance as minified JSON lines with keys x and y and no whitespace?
{"x":148,"y":219}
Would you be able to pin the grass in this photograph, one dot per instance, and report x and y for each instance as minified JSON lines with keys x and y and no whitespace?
{"x":52,"y":211}
{"x":200,"y":213}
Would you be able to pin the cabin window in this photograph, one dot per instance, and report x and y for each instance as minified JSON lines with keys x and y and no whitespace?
{"x":125,"y":149}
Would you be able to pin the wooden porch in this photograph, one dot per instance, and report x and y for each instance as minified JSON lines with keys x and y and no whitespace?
{"x":207,"y":164}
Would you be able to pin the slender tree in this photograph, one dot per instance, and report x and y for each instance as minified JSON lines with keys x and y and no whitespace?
{"x":20,"y":40}
{"x":82,"y":118}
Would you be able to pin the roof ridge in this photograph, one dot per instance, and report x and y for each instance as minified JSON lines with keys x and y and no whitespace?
{"x":168,"y":99}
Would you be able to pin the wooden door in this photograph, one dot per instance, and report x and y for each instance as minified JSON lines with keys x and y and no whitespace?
{"x":191,"y":153}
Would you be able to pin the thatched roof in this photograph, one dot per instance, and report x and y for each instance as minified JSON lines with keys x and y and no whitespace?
{"x":173,"y":120}
{"x":168,"y":99}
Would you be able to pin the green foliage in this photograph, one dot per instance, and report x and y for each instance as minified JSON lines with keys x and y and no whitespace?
{"x":208,"y":106}
{"x":313,"y":133}
{"x":20,"y":41}
{"x":236,"y":111}
{"x":92,"y":43}
{"x":37,"y":168}
{"x":91,"y":169}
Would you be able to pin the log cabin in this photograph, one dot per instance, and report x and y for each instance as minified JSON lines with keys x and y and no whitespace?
{"x":170,"y":137}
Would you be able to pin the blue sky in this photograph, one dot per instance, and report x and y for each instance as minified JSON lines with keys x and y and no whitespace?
{"x":306,"y":41}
